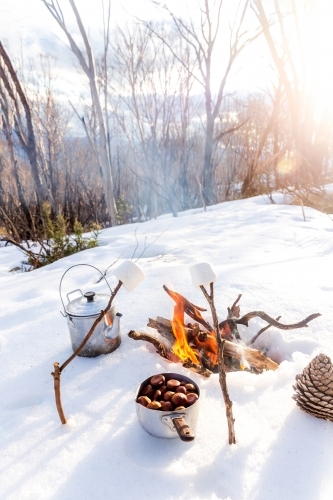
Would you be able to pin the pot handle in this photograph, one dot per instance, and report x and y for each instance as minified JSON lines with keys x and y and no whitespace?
{"x":183,"y":429}
{"x":76,"y":265}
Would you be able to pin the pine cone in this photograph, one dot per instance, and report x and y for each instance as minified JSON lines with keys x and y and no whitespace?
{"x":314,"y":388}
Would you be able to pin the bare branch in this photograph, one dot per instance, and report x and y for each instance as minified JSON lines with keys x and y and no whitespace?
{"x":260,"y":332}
{"x":272,"y":322}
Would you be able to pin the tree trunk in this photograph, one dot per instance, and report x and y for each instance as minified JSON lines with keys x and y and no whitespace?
{"x":28,"y":141}
{"x":208,"y":176}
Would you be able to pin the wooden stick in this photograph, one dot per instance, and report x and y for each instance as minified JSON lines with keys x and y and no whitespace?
{"x":234,"y":310}
{"x":160,"y":347}
{"x":58,"y":370}
{"x":261,"y":331}
{"x":244,"y":320}
{"x":165,"y":353}
{"x":222,"y":374}
{"x":56,"y":376}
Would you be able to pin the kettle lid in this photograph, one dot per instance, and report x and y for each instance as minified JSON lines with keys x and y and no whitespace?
{"x":89,"y":304}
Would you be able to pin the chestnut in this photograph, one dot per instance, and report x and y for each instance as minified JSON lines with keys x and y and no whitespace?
{"x":157,"y":395}
{"x":163,"y":389}
{"x":190,"y":388}
{"x":180,"y":408}
{"x":166,"y":406}
{"x":191,"y":398}
{"x":168,"y":395}
{"x":181,"y":388}
{"x":154,"y":405}
{"x":144,"y":400}
{"x":157,"y":380}
{"x":179,"y":399}
{"x":173,"y":383}
{"x":147,"y":390}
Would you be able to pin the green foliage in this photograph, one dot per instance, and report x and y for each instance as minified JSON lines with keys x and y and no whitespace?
{"x":124,"y":210}
{"x":57,"y":242}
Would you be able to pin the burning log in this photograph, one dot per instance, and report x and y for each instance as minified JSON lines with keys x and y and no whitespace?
{"x":256,"y":360}
{"x":244,"y":355}
{"x":163,"y":326}
{"x":167,"y":354}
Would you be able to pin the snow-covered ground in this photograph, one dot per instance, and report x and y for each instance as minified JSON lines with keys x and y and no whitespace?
{"x":280,"y":263}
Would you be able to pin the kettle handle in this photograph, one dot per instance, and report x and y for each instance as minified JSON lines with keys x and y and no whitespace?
{"x":76,"y":265}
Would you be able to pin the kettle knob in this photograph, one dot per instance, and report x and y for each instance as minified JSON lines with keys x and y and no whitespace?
{"x":89,"y":296}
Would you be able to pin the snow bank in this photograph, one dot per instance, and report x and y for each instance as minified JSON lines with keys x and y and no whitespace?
{"x":280,"y":264}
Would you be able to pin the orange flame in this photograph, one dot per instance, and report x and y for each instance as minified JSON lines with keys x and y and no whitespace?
{"x":181,"y":347}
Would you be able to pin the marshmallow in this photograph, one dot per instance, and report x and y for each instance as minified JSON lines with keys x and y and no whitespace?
{"x":129,"y":274}
{"x":202,"y":274}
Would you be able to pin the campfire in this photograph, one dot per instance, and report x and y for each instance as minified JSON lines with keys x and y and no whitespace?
{"x":195,"y":345}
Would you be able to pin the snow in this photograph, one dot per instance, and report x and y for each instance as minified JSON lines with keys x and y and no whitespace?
{"x":279,"y":262}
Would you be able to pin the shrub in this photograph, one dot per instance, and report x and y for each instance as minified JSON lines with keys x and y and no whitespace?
{"x":57,"y":242}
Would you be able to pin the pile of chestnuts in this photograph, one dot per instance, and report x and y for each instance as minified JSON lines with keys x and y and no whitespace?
{"x":167,"y":395}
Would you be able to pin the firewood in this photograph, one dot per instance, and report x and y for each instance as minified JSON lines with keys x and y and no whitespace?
{"x":163,"y":326}
{"x":234,"y":310}
{"x":262,"y":330}
{"x":165,"y":353}
{"x":161,"y":349}
{"x":257,"y":361}
{"x":261,"y":314}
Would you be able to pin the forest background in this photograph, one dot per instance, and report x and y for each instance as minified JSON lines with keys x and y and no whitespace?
{"x":121,"y":112}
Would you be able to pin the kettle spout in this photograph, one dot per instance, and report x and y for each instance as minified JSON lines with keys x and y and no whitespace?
{"x":112,"y":331}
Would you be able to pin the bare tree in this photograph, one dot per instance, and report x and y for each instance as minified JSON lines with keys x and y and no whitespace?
{"x":87,"y":63}
{"x":12,"y":94}
{"x":153,"y":111}
{"x":204,"y":42}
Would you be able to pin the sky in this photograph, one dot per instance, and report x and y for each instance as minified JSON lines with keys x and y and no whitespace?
{"x":29,"y":29}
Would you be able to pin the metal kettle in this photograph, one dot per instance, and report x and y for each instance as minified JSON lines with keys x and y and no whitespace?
{"x":81,"y":313}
